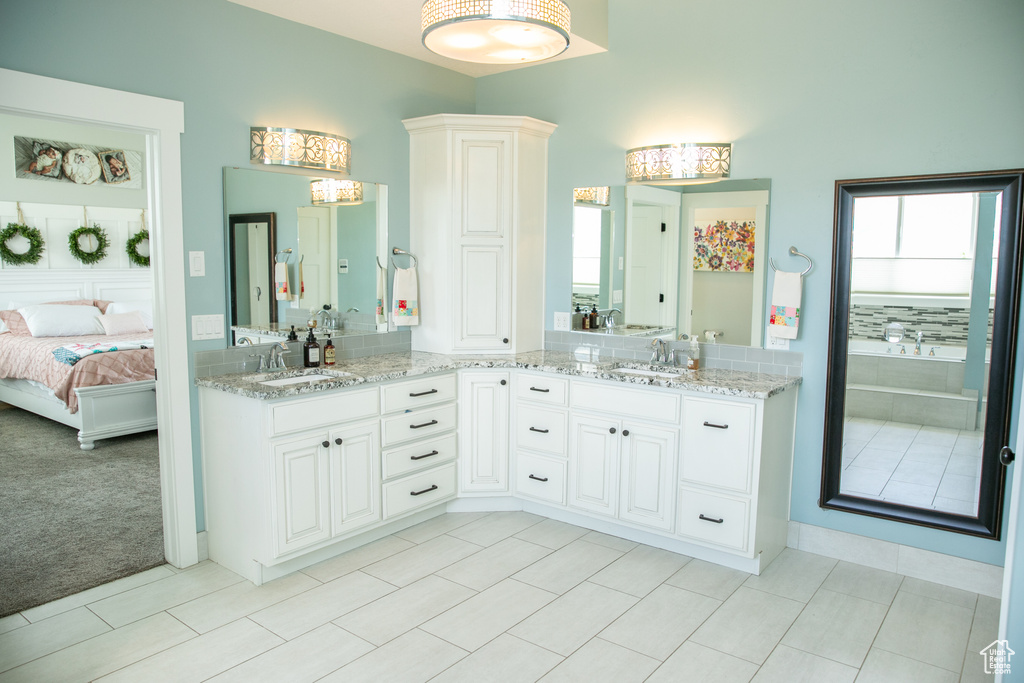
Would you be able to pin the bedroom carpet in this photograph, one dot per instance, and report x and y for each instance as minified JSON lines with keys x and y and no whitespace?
{"x":73,"y":519}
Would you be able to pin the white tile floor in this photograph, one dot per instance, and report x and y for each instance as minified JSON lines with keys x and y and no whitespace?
{"x":508,"y":596}
{"x":921,"y":466}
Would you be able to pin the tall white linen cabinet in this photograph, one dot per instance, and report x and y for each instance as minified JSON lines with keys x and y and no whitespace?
{"x":478,"y":204}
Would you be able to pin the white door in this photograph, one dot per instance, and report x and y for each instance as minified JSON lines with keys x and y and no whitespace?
{"x":314,"y":258}
{"x":483,"y":431}
{"x":652,"y":256}
{"x":355,"y":476}
{"x":301,"y":496}
{"x":1011,"y":615}
{"x":593,"y":464}
{"x":648,"y":475}
{"x":261,"y":290}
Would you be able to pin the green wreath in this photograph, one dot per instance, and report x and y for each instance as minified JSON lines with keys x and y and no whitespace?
{"x":132,"y":248}
{"x":88,"y":257}
{"x":35,"y":245}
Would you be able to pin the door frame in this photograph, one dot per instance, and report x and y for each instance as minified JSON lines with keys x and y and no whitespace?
{"x":162,"y":122}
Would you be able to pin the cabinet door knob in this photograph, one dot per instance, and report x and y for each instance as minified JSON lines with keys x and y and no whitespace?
{"x":712,"y":519}
{"x":505,"y":340}
{"x":612,"y":430}
{"x":338,"y":441}
{"x":327,"y":444}
{"x":420,"y":493}
{"x":538,"y":478}
{"x":503,"y":382}
{"x":625,"y":432}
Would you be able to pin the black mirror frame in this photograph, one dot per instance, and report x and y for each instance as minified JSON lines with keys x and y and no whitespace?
{"x":233,"y":219}
{"x":988,"y":523}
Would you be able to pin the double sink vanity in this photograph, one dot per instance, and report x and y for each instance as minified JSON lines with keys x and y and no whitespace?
{"x":303,"y":464}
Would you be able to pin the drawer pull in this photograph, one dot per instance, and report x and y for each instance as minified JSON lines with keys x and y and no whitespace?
{"x":423,"y":393}
{"x":538,"y":478}
{"x":420,"y":493}
{"x":539,"y":431}
{"x":712,"y":519}
{"x":543,"y":391}
{"x":425,"y":424}
{"x":712,"y":424}
{"x":420,"y":457}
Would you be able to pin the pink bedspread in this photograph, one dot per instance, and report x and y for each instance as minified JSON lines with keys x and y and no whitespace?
{"x":32,"y":358}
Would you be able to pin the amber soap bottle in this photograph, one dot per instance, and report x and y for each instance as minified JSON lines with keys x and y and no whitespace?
{"x":328,"y":353}
{"x":311,"y":352}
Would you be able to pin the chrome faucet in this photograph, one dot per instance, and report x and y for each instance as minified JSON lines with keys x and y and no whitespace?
{"x":327,"y":318}
{"x":917,"y":346}
{"x":243,"y":341}
{"x":609,"y":320}
{"x":263,"y":361}
{"x":660,"y":351}
{"x":277,"y":352}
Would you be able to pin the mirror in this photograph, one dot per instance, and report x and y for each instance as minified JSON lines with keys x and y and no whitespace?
{"x":333,"y":257}
{"x":922,"y":347}
{"x":630,"y":256}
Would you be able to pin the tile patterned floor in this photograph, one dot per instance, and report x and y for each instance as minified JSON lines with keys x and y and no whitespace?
{"x":508,"y":596}
{"x":927,"y":467}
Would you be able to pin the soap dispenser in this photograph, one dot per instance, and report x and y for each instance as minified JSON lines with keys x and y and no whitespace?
{"x":328,"y":353}
{"x":311,"y":352}
{"x":293,"y":335}
{"x":593,"y":317}
{"x":693,"y":356}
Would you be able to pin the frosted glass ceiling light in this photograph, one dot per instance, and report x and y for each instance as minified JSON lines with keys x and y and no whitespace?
{"x":496,"y":31}
{"x":303,"y":148}
{"x":333,"y":191}
{"x":688,"y":162}
{"x":597,"y":196}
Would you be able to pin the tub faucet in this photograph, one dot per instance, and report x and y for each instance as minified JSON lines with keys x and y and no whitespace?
{"x":903,"y":349}
{"x":917,"y":346}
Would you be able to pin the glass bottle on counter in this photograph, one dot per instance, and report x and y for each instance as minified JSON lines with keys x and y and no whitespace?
{"x":328,"y":353}
{"x":311,"y":352}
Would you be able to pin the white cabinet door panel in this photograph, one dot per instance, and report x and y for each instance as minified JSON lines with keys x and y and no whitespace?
{"x":648,"y":476}
{"x":302,"y":496}
{"x":483,"y":437}
{"x":355,"y":476}
{"x":483,"y":313}
{"x":593,"y":465}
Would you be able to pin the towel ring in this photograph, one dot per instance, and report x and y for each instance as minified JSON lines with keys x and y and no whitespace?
{"x":794,"y":252}
{"x":287,"y":255}
{"x":400,"y":252}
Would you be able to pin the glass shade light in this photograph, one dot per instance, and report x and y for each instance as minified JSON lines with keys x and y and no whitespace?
{"x":334,"y":191}
{"x":302,"y":148}
{"x":496,"y":31}
{"x":597,"y":196}
{"x":688,"y":162}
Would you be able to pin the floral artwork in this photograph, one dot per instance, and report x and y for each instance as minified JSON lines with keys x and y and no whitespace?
{"x":724,"y":246}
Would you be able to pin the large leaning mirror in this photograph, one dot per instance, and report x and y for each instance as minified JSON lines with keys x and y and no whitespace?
{"x":332,"y":252}
{"x":664,"y":259}
{"x":925,"y":295}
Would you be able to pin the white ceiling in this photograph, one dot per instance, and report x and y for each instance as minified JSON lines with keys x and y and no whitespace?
{"x":393,"y":25}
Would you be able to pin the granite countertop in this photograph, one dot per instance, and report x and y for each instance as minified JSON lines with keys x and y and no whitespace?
{"x":390,"y":366}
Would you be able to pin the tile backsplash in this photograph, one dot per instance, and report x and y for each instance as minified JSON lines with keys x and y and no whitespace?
{"x":602,"y":346}
{"x":941,"y":325}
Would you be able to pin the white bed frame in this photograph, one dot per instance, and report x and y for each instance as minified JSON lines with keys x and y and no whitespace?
{"x":104,"y":411}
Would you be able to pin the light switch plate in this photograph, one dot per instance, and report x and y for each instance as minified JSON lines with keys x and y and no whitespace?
{"x":197,"y":263}
{"x":207,"y":327}
{"x":616,"y":296}
{"x":775,"y":343}
{"x":620,"y":263}
{"x":563,"y":321}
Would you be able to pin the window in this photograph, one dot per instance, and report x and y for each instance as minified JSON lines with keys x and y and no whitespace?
{"x":586,"y":250}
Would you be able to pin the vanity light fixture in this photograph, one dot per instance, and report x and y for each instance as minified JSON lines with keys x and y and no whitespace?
{"x":598,"y":196}
{"x":338,"y":192}
{"x":496,"y":31}
{"x":302,"y":148}
{"x":686,"y":162}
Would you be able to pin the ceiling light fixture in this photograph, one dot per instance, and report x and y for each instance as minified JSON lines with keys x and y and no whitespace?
{"x":303,"y":148}
{"x":687,"y":162}
{"x":496,"y":31}
{"x":333,"y":191}
{"x":598,"y":196}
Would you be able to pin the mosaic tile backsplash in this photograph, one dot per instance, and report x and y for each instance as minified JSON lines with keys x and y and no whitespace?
{"x":940,"y":325}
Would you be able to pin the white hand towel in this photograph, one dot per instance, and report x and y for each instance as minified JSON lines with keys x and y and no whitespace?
{"x":405,"y":295}
{"x":382,"y":293}
{"x":785,"y":311}
{"x":284,"y":290}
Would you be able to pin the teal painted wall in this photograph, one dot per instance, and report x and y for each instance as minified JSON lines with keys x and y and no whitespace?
{"x":234,"y":67}
{"x":808,"y":93}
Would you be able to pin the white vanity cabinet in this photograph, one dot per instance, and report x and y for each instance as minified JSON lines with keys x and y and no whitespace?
{"x":483,"y":431}
{"x":478,"y":188}
{"x":541,"y":436}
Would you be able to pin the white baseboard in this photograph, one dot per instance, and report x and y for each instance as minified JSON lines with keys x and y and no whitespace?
{"x":927,"y":565}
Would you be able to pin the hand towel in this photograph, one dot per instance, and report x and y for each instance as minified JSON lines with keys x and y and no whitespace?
{"x":785,"y":311}
{"x":284,"y":291}
{"x":302,"y":282}
{"x":406,"y":309}
{"x":382,"y":293}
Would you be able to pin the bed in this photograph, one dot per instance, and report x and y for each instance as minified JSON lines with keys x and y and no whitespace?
{"x":103,"y":395}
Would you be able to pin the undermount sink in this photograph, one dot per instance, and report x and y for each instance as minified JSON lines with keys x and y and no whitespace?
{"x":667,"y":373}
{"x":304,"y":379}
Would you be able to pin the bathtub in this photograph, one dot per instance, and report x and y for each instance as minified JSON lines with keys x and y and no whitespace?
{"x":884,"y":348}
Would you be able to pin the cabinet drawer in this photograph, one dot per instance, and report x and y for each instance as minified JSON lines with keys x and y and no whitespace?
{"x":539,"y":477}
{"x":542,"y":389}
{"x":424,"y":391}
{"x":322,"y":410}
{"x":718,"y":443}
{"x":714,"y":519}
{"x":542,"y":429}
{"x":621,"y":401}
{"x":419,"y":455}
{"x":418,"y":425}
{"x":419,"y":490}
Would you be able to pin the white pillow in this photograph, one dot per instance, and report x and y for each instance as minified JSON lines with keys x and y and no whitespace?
{"x":123,"y":323}
{"x":53,"y":320}
{"x":145,"y":308}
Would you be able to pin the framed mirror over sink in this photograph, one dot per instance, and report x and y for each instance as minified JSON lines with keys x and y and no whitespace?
{"x":925,"y":298}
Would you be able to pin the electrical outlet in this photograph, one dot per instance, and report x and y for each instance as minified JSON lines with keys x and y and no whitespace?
{"x":197,"y":263}
{"x":616,"y":296}
{"x":775,"y":343}
{"x":342,"y":266}
{"x":620,"y":263}
{"x":563,"y":321}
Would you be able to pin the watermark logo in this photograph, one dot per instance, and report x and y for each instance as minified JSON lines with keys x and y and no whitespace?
{"x":997,"y":657}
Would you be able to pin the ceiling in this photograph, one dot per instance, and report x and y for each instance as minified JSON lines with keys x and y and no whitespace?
{"x":395,"y":25}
